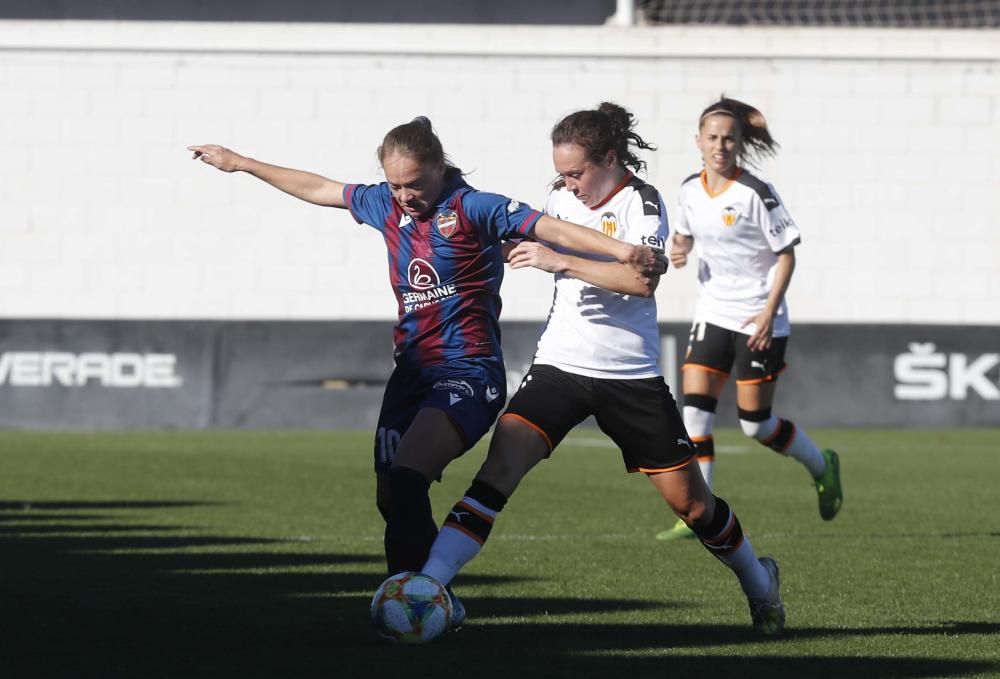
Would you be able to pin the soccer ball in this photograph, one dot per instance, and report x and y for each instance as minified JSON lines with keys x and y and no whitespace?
{"x":411,"y":608}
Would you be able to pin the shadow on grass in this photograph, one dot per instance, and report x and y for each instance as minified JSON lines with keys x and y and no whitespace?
{"x":78,"y":602}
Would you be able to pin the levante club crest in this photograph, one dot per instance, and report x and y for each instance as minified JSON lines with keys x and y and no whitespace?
{"x":446,"y":223}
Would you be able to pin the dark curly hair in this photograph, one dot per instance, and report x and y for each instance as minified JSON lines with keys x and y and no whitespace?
{"x":607,"y":128}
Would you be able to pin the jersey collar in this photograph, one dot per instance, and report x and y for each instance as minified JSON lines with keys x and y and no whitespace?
{"x":614,"y":191}
{"x":704,"y":183}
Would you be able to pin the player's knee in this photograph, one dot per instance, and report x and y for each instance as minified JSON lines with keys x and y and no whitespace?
{"x":514,"y":450}
{"x":699,"y":414}
{"x":695,"y":514}
{"x":757,"y":424}
{"x":694,"y":511}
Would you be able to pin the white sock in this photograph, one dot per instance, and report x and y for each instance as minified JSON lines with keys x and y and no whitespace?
{"x":454,"y":545}
{"x":805,"y":451}
{"x":742,"y":559}
{"x":754,"y":579}
{"x":800,"y":448}
{"x":699,"y":424}
{"x":707,"y":466}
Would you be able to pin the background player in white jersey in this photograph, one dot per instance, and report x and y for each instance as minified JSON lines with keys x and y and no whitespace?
{"x":745,"y":242}
{"x":598,"y":356}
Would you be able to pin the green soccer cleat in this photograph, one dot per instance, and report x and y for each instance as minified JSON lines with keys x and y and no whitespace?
{"x":831,"y":495}
{"x":679,"y":531}
{"x":768,"y":613}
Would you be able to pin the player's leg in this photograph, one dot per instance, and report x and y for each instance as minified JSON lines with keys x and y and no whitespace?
{"x":400,"y":404}
{"x":548,"y":404}
{"x":757,"y":374}
{"x":710,"y":355}
{"x":514,"y":450}
{"x":430,"y":443}
{"x":720,"y":531}
{"x":458,"y":403}
{"x":642,"y":418}
{"x":706,"y":368}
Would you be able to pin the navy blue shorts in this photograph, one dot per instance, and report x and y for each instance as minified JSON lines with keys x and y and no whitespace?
{"x":470,"y":391}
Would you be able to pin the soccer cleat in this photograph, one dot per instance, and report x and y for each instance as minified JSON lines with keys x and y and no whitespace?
{"x":679,"y":531}
{"x":831,"y":495}
{"x":768,"y":614}
{"x":457,"y":609}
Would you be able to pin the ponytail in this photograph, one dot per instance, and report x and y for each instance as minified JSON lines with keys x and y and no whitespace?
{"x":756,"y":142}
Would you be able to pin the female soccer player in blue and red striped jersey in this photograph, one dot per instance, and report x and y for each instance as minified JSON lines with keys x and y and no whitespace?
{"x":445,"y":265}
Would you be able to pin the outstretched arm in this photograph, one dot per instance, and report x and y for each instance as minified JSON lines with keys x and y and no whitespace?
{"x":569,"y":236}
{"x":306,"y":186}
{"x":613,"y":276}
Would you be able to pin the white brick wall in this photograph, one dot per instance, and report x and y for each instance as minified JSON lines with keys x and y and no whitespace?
{"x":890,"y":158}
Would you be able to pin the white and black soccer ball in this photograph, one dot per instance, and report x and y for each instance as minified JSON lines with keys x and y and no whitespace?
{"x":411,"y":608}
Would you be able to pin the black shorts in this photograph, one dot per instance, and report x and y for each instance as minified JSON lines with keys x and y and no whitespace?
{"x":716,"y":349}
{"x":640,"y":416}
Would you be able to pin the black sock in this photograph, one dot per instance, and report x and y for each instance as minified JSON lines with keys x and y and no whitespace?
{"x":411,"y":530}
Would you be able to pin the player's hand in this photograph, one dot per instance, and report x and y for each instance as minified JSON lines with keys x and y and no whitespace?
{"x":532,"y":253}
{"x":680,"y":246}
{"x":217,"y":156}
{"x":647,"y":260}
{"x":764,"y":328}
{"x":678,"y":256}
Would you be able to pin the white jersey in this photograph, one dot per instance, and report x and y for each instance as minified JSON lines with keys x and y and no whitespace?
{"x":592,"y":331}
{"x":737,"y":235}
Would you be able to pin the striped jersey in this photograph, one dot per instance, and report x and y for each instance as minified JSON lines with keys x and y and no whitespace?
{"x":592,"y":331}
{"x":446,"y":270}
{"x":737,"y":234}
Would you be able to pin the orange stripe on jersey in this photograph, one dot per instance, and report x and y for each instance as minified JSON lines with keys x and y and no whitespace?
{"x":698,"y":366}
{"x":532,"y":425}
{"x":701,"y":439}
{"x":715,"y":194}
{"x":472,"y":510}
{"x":650,"y":470}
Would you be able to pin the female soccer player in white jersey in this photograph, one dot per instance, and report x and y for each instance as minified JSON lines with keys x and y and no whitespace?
{"x":745,"y":242}
{"x":598,"y":355}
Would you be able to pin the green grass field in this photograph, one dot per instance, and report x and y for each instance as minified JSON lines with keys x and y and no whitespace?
{"x":234,"y":555}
